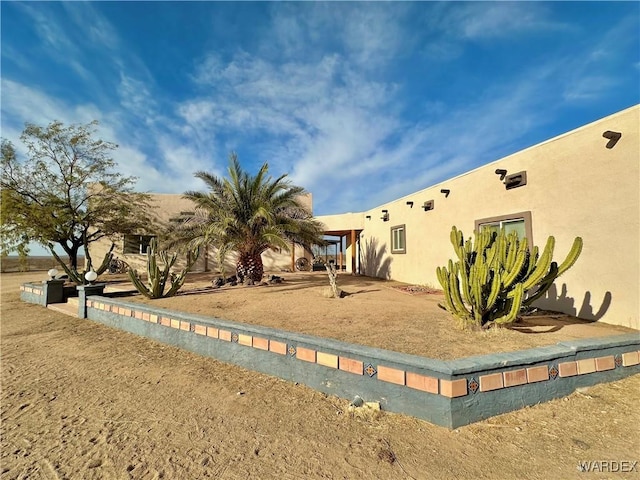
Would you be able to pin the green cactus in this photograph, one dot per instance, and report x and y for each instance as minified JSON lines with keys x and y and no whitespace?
{"x":157,"y":278}
{"x":497,"y":275}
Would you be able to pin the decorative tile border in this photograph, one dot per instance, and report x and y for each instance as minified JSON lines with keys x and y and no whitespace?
{"x":450,"y":388}
{"x":32,"y":289}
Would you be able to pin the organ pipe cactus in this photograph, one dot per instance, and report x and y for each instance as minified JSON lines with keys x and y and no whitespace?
{"x":497,"y":275}
{"x":158,"y":278}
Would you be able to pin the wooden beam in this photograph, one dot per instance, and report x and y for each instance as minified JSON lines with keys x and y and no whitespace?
{"x":353,"y":252}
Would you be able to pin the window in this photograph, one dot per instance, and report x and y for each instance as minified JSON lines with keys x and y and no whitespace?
{"x":517,"y":222}
{"x":398,"y":239}
{"x":137,"y":244}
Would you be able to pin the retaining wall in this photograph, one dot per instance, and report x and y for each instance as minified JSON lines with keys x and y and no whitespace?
{"x":448,"y":393}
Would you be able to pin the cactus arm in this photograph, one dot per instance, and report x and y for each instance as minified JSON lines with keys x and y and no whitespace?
{"x":465,"y":273}
{"x":141,"y":287}
{"x":542,"y":265}
{"x":544,"y":285}
{"x":106,"y":260}
{"x":516,"y":305}
{"x":495,"y":290}
{"x":454,"y":286}
{"x":573,"y":255}
{"x":444,"y":279}
{"x":178,"y":280}
{"x":512,"y":274}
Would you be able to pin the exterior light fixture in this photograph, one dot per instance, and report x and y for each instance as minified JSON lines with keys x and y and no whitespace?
{"x":613,"y":138}
{"x":515,"y":180}
{"x":385,"y":215}
{"x":446,"y":192}
{"x":410,"y":204}
{"x":502,"y":172}
{"x":52,"y":273}
{"x":428,"y":205}
{"x":90,"y":276}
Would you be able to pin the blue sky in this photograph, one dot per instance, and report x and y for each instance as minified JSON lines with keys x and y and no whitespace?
{"x":360,"y":103}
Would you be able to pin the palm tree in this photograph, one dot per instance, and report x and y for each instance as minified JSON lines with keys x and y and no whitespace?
{"x":249,"y":215}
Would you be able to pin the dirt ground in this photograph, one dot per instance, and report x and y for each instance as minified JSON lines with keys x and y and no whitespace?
{"x":375,"y":312}
{"x":83,"y":401}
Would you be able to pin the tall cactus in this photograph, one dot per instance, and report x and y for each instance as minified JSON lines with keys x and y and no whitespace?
{"x":157,"y":278}
{"x":497,"y":275}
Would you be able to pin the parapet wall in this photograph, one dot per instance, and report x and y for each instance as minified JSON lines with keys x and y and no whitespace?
{"x":447,"y":393}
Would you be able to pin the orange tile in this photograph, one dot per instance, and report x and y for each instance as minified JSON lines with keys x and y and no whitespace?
{"x":212,"y":332}
{"x":278,"y":347}
{"x":145,"y":316}
{"x":422,"y":382}
{"x":537,"y":374}
{"x":605,"y":363}
{"x":327,"y":360}
{"x":351,"y":366}
{"x":165,"y":321}
{"x":260,"y":343}
{"x":630,"y":358}
{"x":186,"y":326}
{"x":127,"y":312}
{"x":493,"y":381}
{"x":175,"y":323}
{"x":201,"y":329}
{"x":306,"y":354}
{"x":588,"y":365}
{"x":453,"y":388}
{"x":567,"y":369}
{"x":138,"y":315}
{"x":246,"y":340}
{"x":224,"y":335}
{"x":515,"y":377}
{"x":391,"y":375}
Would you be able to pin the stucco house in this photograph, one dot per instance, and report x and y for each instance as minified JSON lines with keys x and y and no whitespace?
{"x":582,"y":183}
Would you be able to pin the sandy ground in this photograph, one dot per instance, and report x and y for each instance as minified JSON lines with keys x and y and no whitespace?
{"x":374,"y":313}
{"x":83,"y":401}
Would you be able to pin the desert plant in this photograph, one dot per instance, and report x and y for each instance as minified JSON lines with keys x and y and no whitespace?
{"x":249,"y":214}
{"x":497,"y":275}
{"x":335,"y":292}
{"x":157,"y":278}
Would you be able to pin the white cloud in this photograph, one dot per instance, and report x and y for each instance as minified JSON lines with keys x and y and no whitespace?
{"x":500,"y":19}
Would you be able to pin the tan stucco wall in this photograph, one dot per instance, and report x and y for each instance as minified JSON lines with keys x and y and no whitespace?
{"x":343,"y":222}
{"x":167,"y":206}
{"x":575,"y":187}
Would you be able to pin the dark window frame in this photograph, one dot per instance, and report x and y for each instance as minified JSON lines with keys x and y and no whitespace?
{"x":142,"y":243}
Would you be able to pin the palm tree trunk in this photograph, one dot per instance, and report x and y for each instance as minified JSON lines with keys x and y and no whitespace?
{"x":250,"y":266}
